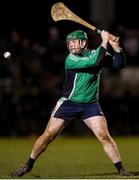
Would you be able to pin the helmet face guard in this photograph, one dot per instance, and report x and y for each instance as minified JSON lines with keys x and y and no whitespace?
{"x":79,"y":34}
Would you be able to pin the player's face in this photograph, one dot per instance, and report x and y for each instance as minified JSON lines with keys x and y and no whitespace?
{"x":75,"y":46}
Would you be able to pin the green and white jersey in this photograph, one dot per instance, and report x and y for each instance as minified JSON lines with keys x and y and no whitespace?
{"x":83,"y":75}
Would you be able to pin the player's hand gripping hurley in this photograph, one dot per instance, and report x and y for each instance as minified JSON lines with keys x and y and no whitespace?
{"x":60,"y":12}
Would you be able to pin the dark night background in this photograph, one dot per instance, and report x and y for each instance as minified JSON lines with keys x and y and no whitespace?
{"x":31,"y":80}
{"x":33,"y":17}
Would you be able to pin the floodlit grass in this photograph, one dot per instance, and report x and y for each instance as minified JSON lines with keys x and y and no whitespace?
{"x":68,"y":158}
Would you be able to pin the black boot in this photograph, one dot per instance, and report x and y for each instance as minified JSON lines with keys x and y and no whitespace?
{"x":22,"y":170}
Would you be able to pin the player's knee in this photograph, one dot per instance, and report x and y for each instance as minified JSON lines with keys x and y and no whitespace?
{"x":48,"y":136}
{"x":104,"y":139}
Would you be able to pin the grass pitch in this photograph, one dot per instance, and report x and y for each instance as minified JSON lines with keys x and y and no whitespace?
{"x":68,"y":158}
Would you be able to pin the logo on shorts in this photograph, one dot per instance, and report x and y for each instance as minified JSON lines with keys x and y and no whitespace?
{"x":101,"y":113}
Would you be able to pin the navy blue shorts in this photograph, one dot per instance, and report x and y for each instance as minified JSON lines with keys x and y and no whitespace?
{"x":69,"y":110}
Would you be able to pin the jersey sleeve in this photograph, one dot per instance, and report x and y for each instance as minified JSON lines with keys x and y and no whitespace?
{"x":94,"y":59}
{"x":116,"y":60}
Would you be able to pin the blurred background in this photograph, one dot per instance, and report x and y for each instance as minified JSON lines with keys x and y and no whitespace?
{"x":31,"y":79}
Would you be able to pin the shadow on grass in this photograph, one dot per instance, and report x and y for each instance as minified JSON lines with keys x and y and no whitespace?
{"x":36,"y":176}
{"x":136,"y":173}
{"x":89,"y":176}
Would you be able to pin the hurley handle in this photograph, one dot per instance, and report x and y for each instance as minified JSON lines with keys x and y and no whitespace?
{"x":98,"y":31}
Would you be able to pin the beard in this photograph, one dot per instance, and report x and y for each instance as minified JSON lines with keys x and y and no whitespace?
{"x":75,"y":50}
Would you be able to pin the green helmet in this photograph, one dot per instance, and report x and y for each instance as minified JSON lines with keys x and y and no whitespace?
{"x":79,"y":34}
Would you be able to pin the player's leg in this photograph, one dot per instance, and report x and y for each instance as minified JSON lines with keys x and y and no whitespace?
{"x":53,"y":128}
{"x":98,"y":126}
